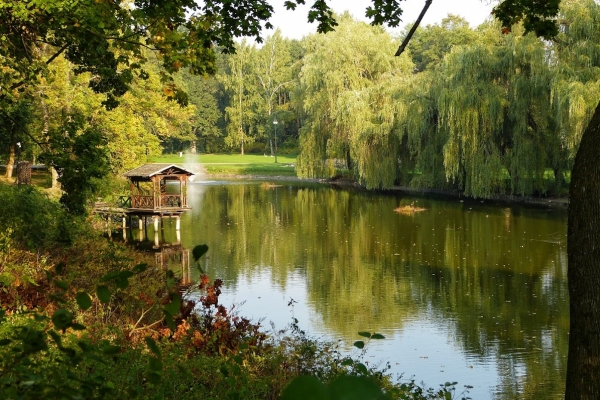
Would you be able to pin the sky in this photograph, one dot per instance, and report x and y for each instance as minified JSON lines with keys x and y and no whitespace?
{"x":294,"y":25}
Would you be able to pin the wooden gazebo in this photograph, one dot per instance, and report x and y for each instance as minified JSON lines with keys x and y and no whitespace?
{"x":149,"y":192}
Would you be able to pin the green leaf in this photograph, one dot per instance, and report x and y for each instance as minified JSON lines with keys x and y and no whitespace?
{"x":354,"y":388}
{"x":59,"y":299}
{"x":84,"y":346}
{"x":347,"y":362}
{"x":239,"y":360}
{"x":56,"y":337}
{"x":223,"y":369}
{"x":170,"y":279}
{"x":170,"y":323}
{"x":377,"y":336}
{"x":4,"y":342}
{"x":362,"y":368}
{"x":172,"y":308}
{"x":77,"y":327}
{"x":305,"y":388}
{"x":109,"y":349}
{"x":62,"y":319}
{"x":365,"y":334}
{"x":153,"y":377}
{"x":199,"y":251}
{"x":103,"y":293}
{"x":39,"y":318}
{"x":59,"y":268}
{"x":110,"y":276}
{"x":152,"y":346}
{"x":61,"y":284}
{"x":154,"y":364}
{"x":84,"y":301}
{"x":122,"y":283}
{"x":138,"y":269}
{"x":125,"y":274}
{"x":359,"y":344}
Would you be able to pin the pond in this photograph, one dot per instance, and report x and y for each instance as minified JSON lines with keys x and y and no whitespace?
{"x":462,"y":291}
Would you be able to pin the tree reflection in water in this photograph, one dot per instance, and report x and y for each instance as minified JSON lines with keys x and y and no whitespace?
{"x":488,"y":282}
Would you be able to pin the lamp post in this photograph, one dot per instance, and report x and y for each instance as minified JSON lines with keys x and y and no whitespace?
{"x":275,"y":124}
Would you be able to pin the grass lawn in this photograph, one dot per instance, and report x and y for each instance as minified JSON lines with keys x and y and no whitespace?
{"x":236,"y":164}
{"x":39,"y":177}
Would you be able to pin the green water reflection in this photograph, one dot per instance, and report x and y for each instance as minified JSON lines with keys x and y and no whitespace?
{"x":493,"y":276}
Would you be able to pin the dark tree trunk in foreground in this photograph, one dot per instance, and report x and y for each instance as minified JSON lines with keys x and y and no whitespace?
{"x":583,"y":367}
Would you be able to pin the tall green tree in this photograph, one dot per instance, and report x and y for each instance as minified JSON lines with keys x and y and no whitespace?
{"x":238,"y":80}
{"x":431,"y":43}
{"x":206,"y":132}
{"x":272,"y":74}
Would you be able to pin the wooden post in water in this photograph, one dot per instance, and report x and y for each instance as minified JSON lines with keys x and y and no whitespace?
{"x":178,"y":223}
{"x":156,"y":220}
{"x":156,"y":240}
{"x":124,"y":223}
{"x":140,"y":223}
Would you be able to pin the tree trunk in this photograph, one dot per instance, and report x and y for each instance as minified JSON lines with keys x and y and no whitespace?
{"x":583,"y":366}
{"x":10,"y":165}
{"x":45,"y":131}
{"x":54,"y":175}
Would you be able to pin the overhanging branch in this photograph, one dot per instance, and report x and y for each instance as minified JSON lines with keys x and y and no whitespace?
{"x":413,"y":29}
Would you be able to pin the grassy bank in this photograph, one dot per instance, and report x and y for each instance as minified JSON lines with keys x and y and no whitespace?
{"x":235,"y":164}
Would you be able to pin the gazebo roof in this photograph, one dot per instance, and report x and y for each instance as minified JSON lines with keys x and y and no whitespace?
{"x":149,"y":170}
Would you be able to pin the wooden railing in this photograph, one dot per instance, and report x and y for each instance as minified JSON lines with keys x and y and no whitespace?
{"x":170,"y":200}
{"x":142,"y":202}
{"x":124,"y":202}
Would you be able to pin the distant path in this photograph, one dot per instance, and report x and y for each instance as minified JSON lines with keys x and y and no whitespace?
{"x":196,"y":168}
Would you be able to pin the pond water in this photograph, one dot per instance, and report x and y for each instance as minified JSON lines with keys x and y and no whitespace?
{"x":463,"y":291}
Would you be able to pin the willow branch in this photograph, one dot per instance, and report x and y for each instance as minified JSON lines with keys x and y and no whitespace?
{"x":413,"y":29}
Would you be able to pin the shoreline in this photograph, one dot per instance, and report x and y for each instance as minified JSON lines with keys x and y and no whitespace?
{"x":559,"y":203}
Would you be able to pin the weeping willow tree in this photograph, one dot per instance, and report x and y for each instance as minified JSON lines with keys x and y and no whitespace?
{"x":348,"y":84}
{"x":494,"y":107}
{"x":424,"y":138}
{"x":485,"y":113}
{"x":527,"y":136}
{"x":576,"y":87}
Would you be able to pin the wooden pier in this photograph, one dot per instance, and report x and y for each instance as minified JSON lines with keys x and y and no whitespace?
{"x":150,"y":196}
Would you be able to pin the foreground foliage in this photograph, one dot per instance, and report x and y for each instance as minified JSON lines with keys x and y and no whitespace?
{"x":78,"y":321}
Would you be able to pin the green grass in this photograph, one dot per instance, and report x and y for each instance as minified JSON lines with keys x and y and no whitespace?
{"x":236,"y":164}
